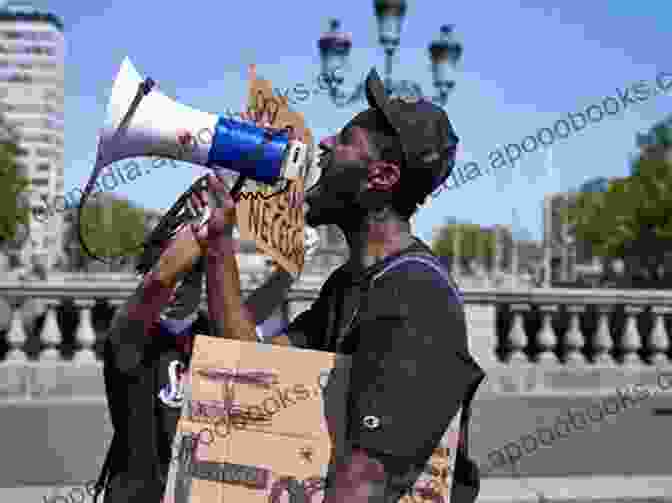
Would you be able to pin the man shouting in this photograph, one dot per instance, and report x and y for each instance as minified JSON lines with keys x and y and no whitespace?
{"x":393,"y":306}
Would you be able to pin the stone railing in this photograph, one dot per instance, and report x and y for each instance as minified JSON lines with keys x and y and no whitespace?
{"x":507,"y":327}
{"x":67,"y":319}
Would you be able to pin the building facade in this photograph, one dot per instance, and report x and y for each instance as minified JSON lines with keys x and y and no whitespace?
{"x":569,"y":257}
{"x":32,"y":50}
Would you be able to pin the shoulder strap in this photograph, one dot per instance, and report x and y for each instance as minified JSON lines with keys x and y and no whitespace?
{"x":428,"y":260}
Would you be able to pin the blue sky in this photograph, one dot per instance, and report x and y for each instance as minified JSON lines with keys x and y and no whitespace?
{"x":526,"y":64}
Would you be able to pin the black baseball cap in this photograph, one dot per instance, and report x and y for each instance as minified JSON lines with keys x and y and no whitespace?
{"x":426,"y":136}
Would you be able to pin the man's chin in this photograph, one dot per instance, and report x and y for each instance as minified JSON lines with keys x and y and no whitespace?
{"x":313,"y":218}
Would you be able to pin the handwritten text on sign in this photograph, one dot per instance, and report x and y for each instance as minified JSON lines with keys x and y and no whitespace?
{"x":276,"y":228}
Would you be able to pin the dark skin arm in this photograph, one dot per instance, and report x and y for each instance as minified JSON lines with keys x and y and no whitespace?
{"x":155,"y":290}
{"x":141,"y":311}
{"x":228,"y":315}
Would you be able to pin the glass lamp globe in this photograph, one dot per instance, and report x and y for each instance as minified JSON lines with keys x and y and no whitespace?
{"x":444,"y":54}
{"x":390,"y":15}
{"x":334,"y":47}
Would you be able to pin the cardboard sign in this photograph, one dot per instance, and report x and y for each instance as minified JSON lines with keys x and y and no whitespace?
{"x":260,"y":423}
{"x":276,"y":229}
{"x":266,"y":424}
{"x":268,"y":222}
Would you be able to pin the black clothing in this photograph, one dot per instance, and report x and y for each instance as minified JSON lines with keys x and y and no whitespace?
{"x":144,"y":426}
{"x":407,"y":336}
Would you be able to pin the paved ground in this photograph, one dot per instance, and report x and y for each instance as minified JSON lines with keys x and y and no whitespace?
{"x":575,"y":490}
{"x":62,"y":443}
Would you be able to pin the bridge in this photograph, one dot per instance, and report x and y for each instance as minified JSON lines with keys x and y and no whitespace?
{"x":552,"y":356}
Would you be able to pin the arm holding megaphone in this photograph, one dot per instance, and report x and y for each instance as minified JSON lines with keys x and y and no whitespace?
{"x":228,"y":317}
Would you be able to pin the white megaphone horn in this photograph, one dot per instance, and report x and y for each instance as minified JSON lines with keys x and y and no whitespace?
{"x":142,"y":121}
{"x":160,"y":126}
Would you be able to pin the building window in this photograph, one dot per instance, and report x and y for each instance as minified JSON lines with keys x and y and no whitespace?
{"x":48,"y":154}
{"x":40,"y":182}
{"x":43,"y":167}
{"x":26,"y":78}
{"x":26,"y":49}
{"x":29,"y":35}
{"x":42,"y":138}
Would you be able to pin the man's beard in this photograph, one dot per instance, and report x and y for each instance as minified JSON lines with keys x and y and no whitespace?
{"x":336,"y":198}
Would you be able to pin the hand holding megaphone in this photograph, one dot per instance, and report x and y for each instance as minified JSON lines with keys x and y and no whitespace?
{"x":219,"y":204}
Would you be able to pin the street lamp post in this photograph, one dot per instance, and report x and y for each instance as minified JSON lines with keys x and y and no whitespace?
{"x":335,"y":46}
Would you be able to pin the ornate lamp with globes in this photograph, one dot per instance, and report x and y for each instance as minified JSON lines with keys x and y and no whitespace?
{"x":335,"y":46}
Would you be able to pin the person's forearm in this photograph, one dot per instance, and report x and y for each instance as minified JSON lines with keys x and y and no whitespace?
{"x":132,"y":321}
{"x":157,"y":286}
{"x":228,"y":316}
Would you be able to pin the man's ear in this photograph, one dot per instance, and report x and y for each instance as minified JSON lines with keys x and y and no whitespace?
{"x":383,"y":175}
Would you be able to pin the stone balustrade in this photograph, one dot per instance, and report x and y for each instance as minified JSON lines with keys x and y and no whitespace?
{"x":507,"y":327}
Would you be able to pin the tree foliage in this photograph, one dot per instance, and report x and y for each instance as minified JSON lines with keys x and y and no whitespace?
{"x":112,"y":228}
{"x":632,"y":220}
{"x":13,"y":186}
{"x":474,"y":242}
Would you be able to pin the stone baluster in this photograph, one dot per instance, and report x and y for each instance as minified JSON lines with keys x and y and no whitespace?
{"x":16,"y":336}
{"x":546,"y":337}
{"x":517,"y":339}
{"x":659,"y":342}
{"x":51,"y":334}
{"x":574,"y":339}
{"x":85,"y":334}
{"x":116,"y":304}
{"x":603,"y":341}
{"x":631,"y":341}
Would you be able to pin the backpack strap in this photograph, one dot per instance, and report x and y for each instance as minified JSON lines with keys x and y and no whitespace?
{"x":426,"y":259}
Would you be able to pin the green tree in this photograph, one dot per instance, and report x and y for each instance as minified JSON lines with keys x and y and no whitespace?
{"x":475,"y":242}
{"x":112,"y":228}
{"x":13,"y":186}
{"x":632,"y":220}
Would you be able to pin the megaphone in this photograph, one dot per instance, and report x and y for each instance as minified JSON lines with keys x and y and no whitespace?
{"x":159,"y":126}
{"x":142,"y":121}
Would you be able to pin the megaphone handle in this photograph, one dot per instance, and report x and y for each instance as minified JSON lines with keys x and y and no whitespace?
{"x":237,"y":187}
